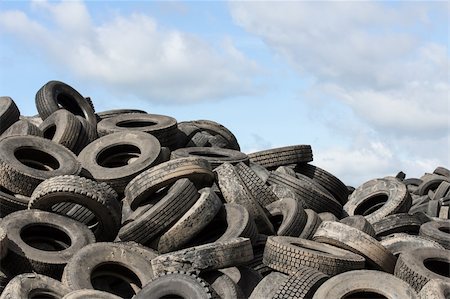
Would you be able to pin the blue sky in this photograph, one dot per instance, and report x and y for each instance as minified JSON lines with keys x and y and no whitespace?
{"x":365,"y":83}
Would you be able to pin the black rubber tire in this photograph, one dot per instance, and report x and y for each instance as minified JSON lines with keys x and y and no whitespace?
{"x":286,"y":170}
{"x":282,"y":156}
{"x":269,"y":285}
{"x":32,"y":285}
{"x":62,"y":127}
{"x":211,"y":256}
{"x":314,"y":198}
{"x":177,"y":284}
{"x":302,"y":284}
{"x":440,"y":170}
{"x":286,"y":254}
{"x":4,"y":279}
{"x":431,"y":182}
{"x":234,"y":191}
{"x":21,"y":128}
{"x":435,"y":289}
{"x":352,"y":239}
{"x":215,"y":156}
{"x":163,"y":127}
{"x":361,"y":223}
{"x":144,"y":185}
{"x":217,"y":129}
{"x":293,"y":216}
{"x":365,"y":284}
{"x":116,"y":268}
{"x":442,"y":191}
{"x":420,"y":265}
{"x":244,"y":277}
{"x":327,"y":216}
{"x":91,"y":294}
{"x":335,"y":186}
{"x":10,"y":202}
{"x":398,"y":223}
{"x":379,"y":198}
{"x":42,"y":242}
{"x":9,"y":113}
{"x":114,"y":112}
{"x":106,"y":159}
{"x":257,"y":187}
{"x":282,"y":191}
{"x":88,"y":133}
{"x":222,"y":285}
{"x":401,"y":242}
{"x":161,"y":215}
{"x":192,"y":222}
{"x":96,"y":199}
{"x":312,"y":223}
{"x":438,"y":230}
{"x":45,"y":157}
{"x":55,"y":95}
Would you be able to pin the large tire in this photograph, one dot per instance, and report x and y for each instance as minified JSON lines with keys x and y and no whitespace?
{"x":235,"y":191}
{"x":365,"y":284}
{"x":420,"y":265}
{"x":55,"y":95}
{"x":399,"y":243}
{"x":379,"y":198}
{"x":42,"y":242}
{"x":32,"y":285}
{"x":177,"y":285}
{"x":164,"y":128}
{"x":352,"y":239}
{"x":177,"y":200}
{"x":110,"y":158}
{"x":438,"y":231}
{"x":26,"y":161}
{"x":282,"y":156}
{"x":215,"y":156}
{"x":148,"y":182}
{"x":96,"y":199}
{"x":287,"y":254}
{"x":62,"y":127}
{"x":111,"y":267}
{"x":206,"y":257}
{"x":398,"y":223}
{"x":192,"y":222}
{"x":302,"y":284}
{"x":9,"y":113}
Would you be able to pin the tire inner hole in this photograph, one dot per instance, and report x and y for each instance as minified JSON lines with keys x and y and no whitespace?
{"x":135,"y":123}
{"x":36,"y":159}
{"x":364,"y":295}
{"x":371,"y":205}
{"x":45,"y":237}
{"x":438,"y":266}
{"x":68,"y":102}
{"x":42,"y":294}
{"x":118,"y":155}
{"x":116,"y":279}
{"x":445,"y":229}
{"x":49,"y":133}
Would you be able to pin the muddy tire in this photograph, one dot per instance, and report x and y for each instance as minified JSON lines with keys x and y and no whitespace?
{"x":361,"y":223}
{"x":435,"y":289}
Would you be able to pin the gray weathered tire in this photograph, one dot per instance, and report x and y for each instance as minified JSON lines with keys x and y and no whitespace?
{"x":3,"y":243}
{"x":398,"y":223}
{"x":352,"y":239}
{"x":26,"y":161}
{"x":21,"y":128}
{"x":32,"y":285}
{"x":361,"y":223}
{"x":9,"y":113}
{"x":365,"y":284}
{"x":198,"y":171}
{"x":223,"y":285}
{"x":269,"y":285}
{"x":287,"y":254}
{"x":211,"y":256}
{"x":294,"y":216}
{"x":438,"y":231}
{"x":312,"y":223}
{"x":62,"y":127}
{"x":401,"y":242}
{"x":92,"y":203}
{"x":192,"y":222}
{"x":116,"y":268}
{"x":379,"y":198}
{"x":215,"y":156}
{"x":110,"y":158}
{"x":244,"y":277}
{"x":177,"y":284}
{"x":435,"y":289}
{"x":420,"y":265}
{"x":42,"y":242}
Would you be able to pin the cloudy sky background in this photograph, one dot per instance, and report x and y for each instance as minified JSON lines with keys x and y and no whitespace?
{"x":365,"y":83}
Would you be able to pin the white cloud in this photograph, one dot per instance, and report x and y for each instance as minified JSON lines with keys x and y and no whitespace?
{"x":386,"y":63}
{"x":132,"y":55}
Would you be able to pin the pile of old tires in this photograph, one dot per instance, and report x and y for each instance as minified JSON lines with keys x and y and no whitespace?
{"x":129,"y":204}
